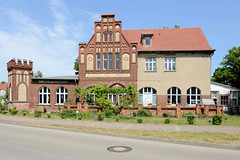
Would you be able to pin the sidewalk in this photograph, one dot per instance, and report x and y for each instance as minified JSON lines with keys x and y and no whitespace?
{"x":121,"y":125}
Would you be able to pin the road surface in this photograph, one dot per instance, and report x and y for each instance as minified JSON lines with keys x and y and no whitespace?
{"x":31,"y":143}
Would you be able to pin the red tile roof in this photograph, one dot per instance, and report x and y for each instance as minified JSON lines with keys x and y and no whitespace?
{"x":3,"y":86}
{"x":170,"y":39}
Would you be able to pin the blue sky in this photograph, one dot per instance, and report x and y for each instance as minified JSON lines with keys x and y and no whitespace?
{"x":48,"y":31}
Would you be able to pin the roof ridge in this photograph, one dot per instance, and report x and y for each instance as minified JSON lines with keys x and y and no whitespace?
{"x":161,"y":28}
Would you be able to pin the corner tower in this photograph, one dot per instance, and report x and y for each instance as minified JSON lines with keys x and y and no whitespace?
{"x":19,"y":80}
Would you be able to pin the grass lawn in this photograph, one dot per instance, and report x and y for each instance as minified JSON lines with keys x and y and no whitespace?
{"x":210,"y":137}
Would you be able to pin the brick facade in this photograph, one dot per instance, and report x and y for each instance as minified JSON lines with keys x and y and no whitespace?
{"x":112,"y":57}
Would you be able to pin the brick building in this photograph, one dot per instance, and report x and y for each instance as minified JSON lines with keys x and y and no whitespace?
{"x":166,"y":66}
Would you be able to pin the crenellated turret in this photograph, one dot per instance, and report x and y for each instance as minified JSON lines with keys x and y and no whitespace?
{"x":19,"y":65}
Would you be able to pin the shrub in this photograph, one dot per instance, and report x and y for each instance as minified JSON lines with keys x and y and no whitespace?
{"x":203,"y":116}
{"x":108,"y":113}
{"x":167,"y":121}
{"x":116,"y":110}
{"x":4,"y":112}
{"x":126,"y":117}
{"x":100,"y":116}
{"x":217,"y":119}
{"x":165,"y":115}
{"x":191,"y":119}
{"x":187,"y":114}
{"x":24,"y":112}
{"x":134,"y":114}
{"x":63,"y":115}
{"x":37,"y":113}
{"x":69,"y":113}
{"x":44,"y":110}
{"x":144,"y":113}
{"x":140,"y":120}
{"x":79,"y":118}
{"x":48,"y":115}
{"x":4,"y":108}
{"x":13,"y":111}
{"x":117,"y":119}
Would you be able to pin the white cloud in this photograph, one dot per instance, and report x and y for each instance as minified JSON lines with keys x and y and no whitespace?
{"x":52,"y":50}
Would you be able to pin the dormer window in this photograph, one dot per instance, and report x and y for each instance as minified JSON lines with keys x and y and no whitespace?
{"x":147,"y":41}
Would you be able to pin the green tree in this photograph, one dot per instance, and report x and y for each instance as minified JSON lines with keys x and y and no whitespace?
{"x":76,"y":66}
{"x":229,"y":72}
{"x":38,"y":74}
{"x":176,"y":26}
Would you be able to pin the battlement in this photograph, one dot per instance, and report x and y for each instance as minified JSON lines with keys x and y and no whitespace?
{"x":12,"y":64}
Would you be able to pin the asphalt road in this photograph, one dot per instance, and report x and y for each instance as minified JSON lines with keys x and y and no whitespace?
{"x":31,"y":143}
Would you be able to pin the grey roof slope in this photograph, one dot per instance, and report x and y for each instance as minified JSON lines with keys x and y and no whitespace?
{"x":57,"y":78}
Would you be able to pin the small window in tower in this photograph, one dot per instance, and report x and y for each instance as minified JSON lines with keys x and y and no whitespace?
{"x":147,"y":41}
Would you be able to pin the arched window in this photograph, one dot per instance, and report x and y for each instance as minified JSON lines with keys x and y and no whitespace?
{"x":110,"y":36}
{"x":174,"y":95}
{"x":193,"y":95}
{"x":105,"y":36}
{"x":117,"y":37}
{"x":61,"y":95}
{"x":147,"y":96}
{"x":44,"y":95}
{"x":98,"y":39}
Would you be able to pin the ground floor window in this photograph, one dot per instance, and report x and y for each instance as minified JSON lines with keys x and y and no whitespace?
{"x":147,"y":96}
{"x":234,"y":98}
{"x":224,"y":100}
{"x":44,"y":95}
{"x":193,"y":95}
{"x":215,"y":97}
{"x":174,"y":95}
{"x":61,"y":95}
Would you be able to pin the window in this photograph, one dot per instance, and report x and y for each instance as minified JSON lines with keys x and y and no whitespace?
{"x":224,"y":100}
{"x":110,"y":36}
{"x":234,"y":98}
{"x":98,"y":39}
{"x":110,"y":61}
{"x":117,"y":61}
{"x":104,"y":61}
{"x":61,"y":94}
{"x":105,"y":36}
{"x":151,"y":64}
{"x":193,"y":95}
{"x":147,"y":96}
{"x":44,"y":95}
{"x":174,"y":95}
{"x":147,"y":41}
{"x":113,"y":98}
{"x":215,"y":97}
{"x":98,"y":61}
{"x":170,"y":64}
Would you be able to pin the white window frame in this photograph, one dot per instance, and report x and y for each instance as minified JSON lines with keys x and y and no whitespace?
{"x":42,"y":94}
{"x":171,"y":95}
{"x":148,"y":91}
{"x":105,"y":61}
{"x":117,"y":61}
{"x":196,"y":95}
{"x":147,"y":39}
{"x":170,"y":64}
{"x":110,"y":61}
{"x":60,"y":94}
{"x":98,"y":61}
{"x":151,"y":64}
{"x":235,"y":97}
